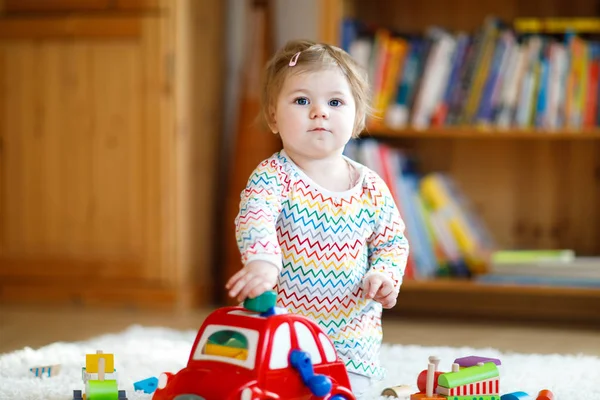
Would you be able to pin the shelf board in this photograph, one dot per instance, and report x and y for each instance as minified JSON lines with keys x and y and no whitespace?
{"x":470,"y":132}
{"x":450,"y":299}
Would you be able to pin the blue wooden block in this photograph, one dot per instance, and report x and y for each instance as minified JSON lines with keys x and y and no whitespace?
{"x":147,"y":385}
{"x":516,"y":396}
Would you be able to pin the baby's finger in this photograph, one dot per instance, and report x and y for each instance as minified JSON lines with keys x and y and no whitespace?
{"x":239,"y":283}
{"x":366,"y":288}
{"x":232,"y":281}
{"x":374,"y":283}
{"x":388,"y":301}
{"x":249,"y":286}
{"x":387,"y":287}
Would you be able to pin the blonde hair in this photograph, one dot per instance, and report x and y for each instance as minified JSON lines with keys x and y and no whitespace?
{"x":313,"y":57}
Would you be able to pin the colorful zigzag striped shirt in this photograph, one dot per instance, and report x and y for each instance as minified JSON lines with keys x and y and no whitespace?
{"x":324,"y":244}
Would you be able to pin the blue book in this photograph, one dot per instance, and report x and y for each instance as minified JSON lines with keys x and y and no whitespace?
{"x":458,"y":59}
{"x":349,"y":33}
{"x":484,"y":113}
{"x":409,"y":73}
{"x":542,"y":95}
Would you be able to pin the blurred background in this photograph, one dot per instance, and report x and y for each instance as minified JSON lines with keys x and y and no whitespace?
{"x":127,"y":131}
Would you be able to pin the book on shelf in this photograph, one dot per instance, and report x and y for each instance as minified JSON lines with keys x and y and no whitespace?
{"x":579,"y":267}
{"x":446,"y":237}
{"x":509,"y":257}
{"x":540,"y":280}
{"x":496,"y":77}
{"x":552,"y":267}
{"x":559,"y":263}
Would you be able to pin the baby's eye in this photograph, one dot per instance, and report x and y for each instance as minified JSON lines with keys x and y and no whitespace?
{"x":301,"y":101}
{"x":335,"y":103}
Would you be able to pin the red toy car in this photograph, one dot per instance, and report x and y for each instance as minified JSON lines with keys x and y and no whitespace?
{"x":245,"y":355}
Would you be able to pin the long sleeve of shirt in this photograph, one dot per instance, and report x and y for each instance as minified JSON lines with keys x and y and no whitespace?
{"x":260,"y":206}
{"x":388,"y":247}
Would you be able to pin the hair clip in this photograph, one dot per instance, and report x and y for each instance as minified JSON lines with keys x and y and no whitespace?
{"x":294,"y":59}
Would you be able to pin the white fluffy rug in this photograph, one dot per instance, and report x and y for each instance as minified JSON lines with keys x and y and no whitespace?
{"x":144,"y":352}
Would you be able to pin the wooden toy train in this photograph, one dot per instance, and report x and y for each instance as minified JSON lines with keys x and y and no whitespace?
{"x":471,"y":378}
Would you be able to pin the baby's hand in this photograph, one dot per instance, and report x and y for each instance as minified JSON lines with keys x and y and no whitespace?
{"x":253,"y":280}
{"x":379,"y":287}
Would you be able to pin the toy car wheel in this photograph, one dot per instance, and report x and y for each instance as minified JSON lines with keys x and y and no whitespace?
{"x":77,"y":395}
{"x":122,"y":395}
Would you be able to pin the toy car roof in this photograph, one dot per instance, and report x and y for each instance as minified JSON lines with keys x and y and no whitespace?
{"x":239,"y":315}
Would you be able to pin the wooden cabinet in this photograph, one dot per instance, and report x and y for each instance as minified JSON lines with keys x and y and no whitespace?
{"x":42,"y":6}
{"x":106,"y":173}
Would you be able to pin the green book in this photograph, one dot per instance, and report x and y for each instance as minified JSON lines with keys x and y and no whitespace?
{"x":532,"y":256}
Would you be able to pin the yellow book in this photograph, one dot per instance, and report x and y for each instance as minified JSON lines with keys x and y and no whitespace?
{"x":481,"y":71}
{"x":378,"y":68}
{"x":435,"y":194}
{"x":557,"y":25}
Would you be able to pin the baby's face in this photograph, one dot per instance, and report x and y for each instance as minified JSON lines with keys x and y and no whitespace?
{"x":315,"y":113}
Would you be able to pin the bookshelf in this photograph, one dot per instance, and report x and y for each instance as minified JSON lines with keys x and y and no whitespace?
{"x":469,"y":132}
{"x":533,"y":188}
{"x":447,"y":299}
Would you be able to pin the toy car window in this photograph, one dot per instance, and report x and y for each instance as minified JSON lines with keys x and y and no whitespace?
{"x":227,"y":343}
{"x":233,"y":351}
{"x":306,"y":340}
{"x":330,"y":354}
{"x":280,"y":347}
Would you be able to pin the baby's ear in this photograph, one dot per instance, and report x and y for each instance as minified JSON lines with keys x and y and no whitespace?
{"x":272,"y":121}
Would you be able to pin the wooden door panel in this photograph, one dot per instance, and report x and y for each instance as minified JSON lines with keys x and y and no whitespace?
{"x":71,"y":27}
{"x":45,"y":6}
{"x":103,"y":183}
{"x":13,"y":6}
{"x":73,"y":158}
{"x":137,"y":4}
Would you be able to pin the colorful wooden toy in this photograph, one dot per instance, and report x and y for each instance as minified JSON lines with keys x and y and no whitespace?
{"x":516,"y":396}
{"x":545,"y":394}
{"x":482,"y":379}
{"x":429,"y":386}
{"x":401,"y":392}
{"x":479,"y":382}
{"x":259,"y":354}
{"x":471,"y":361}
{"x":100,"y":379}
{"x":471,"y":378}
{"x":45,"y":371}
{"x":147,"y":385}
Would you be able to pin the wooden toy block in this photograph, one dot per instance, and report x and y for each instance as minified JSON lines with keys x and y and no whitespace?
{"x":147,"y":385}
{"x":424,"y":396}
{"x":475,"y":397}
{"x":402,"y":392}
{"x":516,"y":396}
{"x":545,"y":394}
{"x":47,"y":371}
{"x":422,"y":380}
{"x":94,"y":361}
{"x":471,"y":361}
{"x":469,"y":375}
